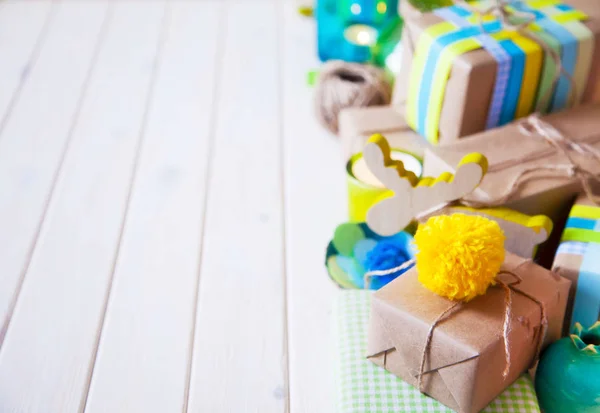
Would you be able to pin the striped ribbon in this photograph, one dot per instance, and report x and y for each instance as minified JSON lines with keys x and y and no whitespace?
{"x":456,"y":15}
{"x":582,"y":237}
{"x":523,"y":76}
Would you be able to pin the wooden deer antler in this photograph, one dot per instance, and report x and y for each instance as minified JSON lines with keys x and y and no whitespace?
{"x":411,"y":195}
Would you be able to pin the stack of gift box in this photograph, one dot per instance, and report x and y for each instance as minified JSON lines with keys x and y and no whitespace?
{"x":471,"y":259}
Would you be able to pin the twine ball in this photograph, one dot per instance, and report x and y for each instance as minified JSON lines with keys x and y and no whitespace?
{"x":459,"y":255}
{"x":344,"y":85}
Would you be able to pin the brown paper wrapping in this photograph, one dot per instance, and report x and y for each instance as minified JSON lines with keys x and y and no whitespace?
{"x":358,"y":124}
{"x":466,"y":357}
{"x":544,"y":193}
{"x":469,"y":89}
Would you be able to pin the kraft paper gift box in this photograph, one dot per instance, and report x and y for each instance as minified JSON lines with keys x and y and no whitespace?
{"x":578,"y":259}
{"x":358,"y":124}
{"x":456,"y":80}
{"x":363,"y":387}
{"x":466,"y":359}
{"x":509,"y":151}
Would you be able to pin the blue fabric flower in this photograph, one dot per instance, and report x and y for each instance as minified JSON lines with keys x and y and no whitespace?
{"x":356,"y":249}
{"x":387,"y":254}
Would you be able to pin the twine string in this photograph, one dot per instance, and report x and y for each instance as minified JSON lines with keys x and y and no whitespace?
{"x":534,"y":125}
{"x":343,"y":84}
{"x":382,"y":273}
{"x":507,"y":326}
{"x":501,"y":10}
{"x":446,"y":313}
{"x":519,"y":21}
{"x":509,"y":289}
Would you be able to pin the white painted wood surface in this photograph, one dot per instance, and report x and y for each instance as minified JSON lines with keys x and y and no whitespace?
{"x":240,"y":325}
{"x":166,"y":197}
{"x":37,"y":132}
{"x":145,"y":349}
{"x":19,"y":56}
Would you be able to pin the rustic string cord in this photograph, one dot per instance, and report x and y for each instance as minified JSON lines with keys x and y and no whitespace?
{"x":534,"y":126}
{"x":509,"y":289}
{"x":446,"y":313}
{"x":343,"y":85}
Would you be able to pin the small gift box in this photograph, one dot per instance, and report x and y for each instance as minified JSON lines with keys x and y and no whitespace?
{"x":536,"y":166}
{"x":459,"y":77}
{"x":358,"y":124}
{"x":578,"y":259}
{"x":472,"y":355}
{"x":362,"y":387}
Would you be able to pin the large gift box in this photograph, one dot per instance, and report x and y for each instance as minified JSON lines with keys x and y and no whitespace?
{"x":510,"y":151}
{"x":457,"y":79}
{"x":357,"y":125}
{"x":465,"y":361}
{"x":362,"y":387}
{"x":578,"y":259}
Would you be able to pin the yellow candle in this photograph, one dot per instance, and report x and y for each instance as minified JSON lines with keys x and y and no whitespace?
{"x":361,"y":35}
{"x":364,"y":189}
{"x":363,"y":174}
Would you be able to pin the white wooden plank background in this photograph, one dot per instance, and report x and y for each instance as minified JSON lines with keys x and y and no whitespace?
{"x":241,"y":308}
{"x":27,"y":22}
{"x":145,"y":348}
{"x":166,"y":197}
{"x":35,"y":136}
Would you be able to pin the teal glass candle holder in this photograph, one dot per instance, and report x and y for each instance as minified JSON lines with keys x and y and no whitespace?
{"x":357,"y":30}
{"x":568,"y":375}
{"x":355,"y":250}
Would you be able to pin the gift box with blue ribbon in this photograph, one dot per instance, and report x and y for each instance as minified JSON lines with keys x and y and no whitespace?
{"x":469,"y":67}
{"x":578,"y":259}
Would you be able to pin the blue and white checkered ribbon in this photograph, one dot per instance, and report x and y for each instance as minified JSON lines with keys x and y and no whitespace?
{"x":572,"y":247}
{"x":455,"y":14}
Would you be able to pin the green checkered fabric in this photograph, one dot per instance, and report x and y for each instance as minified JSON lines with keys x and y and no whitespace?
{"x":363,"y":387}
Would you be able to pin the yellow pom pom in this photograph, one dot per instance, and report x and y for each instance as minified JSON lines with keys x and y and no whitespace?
{"x":459,"y":255}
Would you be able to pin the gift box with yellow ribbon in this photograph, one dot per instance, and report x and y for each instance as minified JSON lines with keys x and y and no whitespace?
{"x":468,"y":319}
{"x":578,"y":259}
{"x":478,"y":65}
{"x":537,"y":165}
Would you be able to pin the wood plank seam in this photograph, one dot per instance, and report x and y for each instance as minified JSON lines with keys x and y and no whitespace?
{"x":219,"y":61}
{"x":282,"y":176}
{"x":6,"y":322}
{"x":30,"y":63}
{"x":138,"y":150}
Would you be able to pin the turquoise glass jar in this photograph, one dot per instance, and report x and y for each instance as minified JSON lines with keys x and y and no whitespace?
{"x":360,"y":31}
{"x":568,"y":375}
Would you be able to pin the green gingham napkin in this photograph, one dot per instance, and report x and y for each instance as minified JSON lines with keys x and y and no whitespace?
{"x":363,"y":387}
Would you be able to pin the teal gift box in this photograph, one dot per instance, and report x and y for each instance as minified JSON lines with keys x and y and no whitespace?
{"x":363,"y":387}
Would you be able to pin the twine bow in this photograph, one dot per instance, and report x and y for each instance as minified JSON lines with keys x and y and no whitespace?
{"x":509,"y":289}
{"x":533,"y":126}
{"x":519,"y":21}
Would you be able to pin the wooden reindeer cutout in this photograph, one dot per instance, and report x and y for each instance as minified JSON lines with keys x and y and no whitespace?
{"x":411,"y":195}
